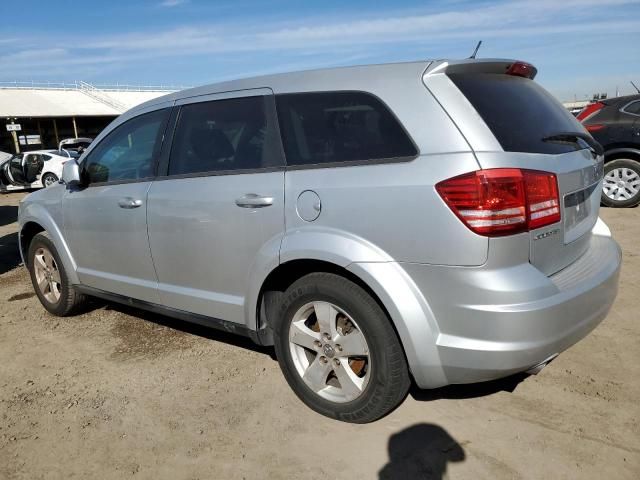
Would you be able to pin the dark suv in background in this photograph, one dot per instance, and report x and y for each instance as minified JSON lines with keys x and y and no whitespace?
{"x":615,"y":123}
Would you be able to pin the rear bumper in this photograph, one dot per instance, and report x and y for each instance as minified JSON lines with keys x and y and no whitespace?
{"x":493,"y":323}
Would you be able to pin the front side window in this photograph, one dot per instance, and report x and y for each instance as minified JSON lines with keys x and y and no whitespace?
{"x":222,"y":135}
{"x":128,"y":152}
{"x":329,"y":127}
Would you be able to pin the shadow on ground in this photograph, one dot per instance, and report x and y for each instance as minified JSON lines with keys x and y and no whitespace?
{"x":184,"y":326}
{"x":471,"y":390}
{"x":9,"y":254}
{"x":421,"y":451}
{"x":8,"y":214}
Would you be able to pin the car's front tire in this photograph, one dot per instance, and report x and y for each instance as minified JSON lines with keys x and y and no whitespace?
{"x":338,"y":350}
{"x":49,"y":278}
{"x":621,"y":186}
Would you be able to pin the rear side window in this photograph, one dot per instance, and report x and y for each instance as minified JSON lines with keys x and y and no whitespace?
{"x":633,"y":108}
{"x":332,"y":127}
{"x":223,"y":135}
{"x":519,"y":112}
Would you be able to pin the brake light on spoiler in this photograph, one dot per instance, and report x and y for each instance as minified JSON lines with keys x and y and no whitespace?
{"x":503,"y":201}
{"x":521,"y":69}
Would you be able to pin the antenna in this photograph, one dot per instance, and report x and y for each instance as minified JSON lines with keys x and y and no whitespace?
{"x":478,"y":48}
{"x":635,"y":86}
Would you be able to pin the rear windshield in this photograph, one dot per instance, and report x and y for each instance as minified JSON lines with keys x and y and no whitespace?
{"x":519,"y":112}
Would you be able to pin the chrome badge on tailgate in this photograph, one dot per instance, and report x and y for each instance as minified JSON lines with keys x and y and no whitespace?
{"x":581,"y":207}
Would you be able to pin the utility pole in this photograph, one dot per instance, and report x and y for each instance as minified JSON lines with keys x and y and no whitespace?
{"x":14,"y":134}
{"x":55,"y":132}
{"x":75,"y":127}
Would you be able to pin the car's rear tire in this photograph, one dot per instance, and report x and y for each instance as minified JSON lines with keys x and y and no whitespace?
{"x":621,"y":187}
{"x":48,"y":180}
{"x":358,"y":372}
{"x":49,"y":278}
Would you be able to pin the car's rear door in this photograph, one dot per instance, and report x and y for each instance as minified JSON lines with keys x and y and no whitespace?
{"x":106,"y":220}
{"x":218,"y":211}
{"x":631,"y":111}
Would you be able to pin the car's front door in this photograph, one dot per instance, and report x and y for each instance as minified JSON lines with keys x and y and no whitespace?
{"x":105,"y":220}
{"x":220,"y":207}
{"x":23,"y":169}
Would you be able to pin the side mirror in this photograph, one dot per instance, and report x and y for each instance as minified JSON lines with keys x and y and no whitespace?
{"x":71,"y":172}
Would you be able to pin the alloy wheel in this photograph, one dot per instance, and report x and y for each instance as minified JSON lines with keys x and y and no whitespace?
{"x":47,"y":275}
{"x":329,"y":351}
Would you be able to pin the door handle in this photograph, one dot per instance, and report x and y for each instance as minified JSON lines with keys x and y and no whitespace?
{"x":252,"y":200}
{"x":129,"y":202}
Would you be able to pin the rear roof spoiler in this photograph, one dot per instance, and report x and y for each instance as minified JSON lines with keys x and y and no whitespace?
{"x":489,"y":65}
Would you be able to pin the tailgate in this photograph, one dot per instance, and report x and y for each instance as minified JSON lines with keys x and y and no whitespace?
{"x":580,"y":183}
{"x":512,"y":122}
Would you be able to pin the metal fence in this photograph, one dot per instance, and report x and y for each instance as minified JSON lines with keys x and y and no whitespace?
{"x":79,"y":85}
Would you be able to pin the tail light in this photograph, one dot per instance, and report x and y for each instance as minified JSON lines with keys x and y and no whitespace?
{"x":503,"y":201}
{"x":589,"y":111}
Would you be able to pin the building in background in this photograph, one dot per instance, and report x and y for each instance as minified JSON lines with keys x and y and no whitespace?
{"x":38,"y":115}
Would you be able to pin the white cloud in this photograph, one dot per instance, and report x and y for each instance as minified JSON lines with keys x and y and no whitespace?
{"x":173,"y":3}
{"x":311,"y":41}
{"x":498,"y":20}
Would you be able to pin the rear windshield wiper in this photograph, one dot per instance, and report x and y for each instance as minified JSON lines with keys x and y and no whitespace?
{"x":573,"y":137}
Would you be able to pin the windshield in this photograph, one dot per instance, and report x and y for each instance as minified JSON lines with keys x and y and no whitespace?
{"x":521,"y":114}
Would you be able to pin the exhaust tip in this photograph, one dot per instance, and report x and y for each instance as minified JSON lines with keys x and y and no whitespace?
{"x":538,"y":367}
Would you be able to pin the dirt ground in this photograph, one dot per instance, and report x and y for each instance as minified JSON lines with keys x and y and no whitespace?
{"x":117,"y":393}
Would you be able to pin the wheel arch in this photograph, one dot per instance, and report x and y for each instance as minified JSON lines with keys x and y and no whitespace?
{"x":285,"y":274}
{"x":622,"y":152}
{"x":407,"y":311}
{"x":27,"y":232}
{"x":49,"y":172}
{"x":35,"y":219}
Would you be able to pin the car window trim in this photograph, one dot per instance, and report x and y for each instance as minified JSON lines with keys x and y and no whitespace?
{"x":171,"y":123}
{"x":623,"y":109}
{"x":353,"y":163}
{"x":157,"y":155}
{"x":350,"y":163}
{"x":220,"y":173}
{"x":167,"y":142}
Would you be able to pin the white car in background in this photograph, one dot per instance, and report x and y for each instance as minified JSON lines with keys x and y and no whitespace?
{"x":39,"y":168}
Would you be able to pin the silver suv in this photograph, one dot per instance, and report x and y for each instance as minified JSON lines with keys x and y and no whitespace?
{"x":428,"y":222}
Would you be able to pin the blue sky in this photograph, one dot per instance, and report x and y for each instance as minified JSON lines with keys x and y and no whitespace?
{"x":579,"y":46}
